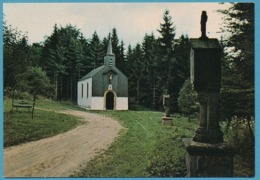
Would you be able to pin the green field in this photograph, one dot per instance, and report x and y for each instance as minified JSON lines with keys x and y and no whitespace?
{"x":20,"y":128}
{"x":146,"y":148}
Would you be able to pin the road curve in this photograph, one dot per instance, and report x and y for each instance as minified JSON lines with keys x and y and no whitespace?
{"x":61,"y":155}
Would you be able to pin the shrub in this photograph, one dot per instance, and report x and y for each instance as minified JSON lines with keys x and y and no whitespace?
{"x":239,"y":131}
{"x":8,"y":93}
{"x":168,"y":160}
{"x":188,"y":100}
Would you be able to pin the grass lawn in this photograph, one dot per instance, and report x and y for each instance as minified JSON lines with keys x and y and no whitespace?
{"x":150,"y":149}
{"x":54,"y":105}
{"x":147,"y":148}
{"x":19,"y":126}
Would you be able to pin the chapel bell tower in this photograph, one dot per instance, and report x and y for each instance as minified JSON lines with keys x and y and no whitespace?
{"x":109,"y":59}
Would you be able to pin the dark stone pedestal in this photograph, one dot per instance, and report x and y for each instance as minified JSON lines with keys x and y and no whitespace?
{"x":209,"y":160}
{"x":167,"y":121}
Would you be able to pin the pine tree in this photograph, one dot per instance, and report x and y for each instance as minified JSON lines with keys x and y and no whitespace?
{"x":239,"y":27}
{"x":182,"y":54}
{"x":96,"y":51}
{"x":187,"y":99}
{"x":148,"y":87}
{"x":165,"y":55}
{"x":238,"y":89}
{"x":238,"y":62}
{"x":136,"y":73}
{"x":128,"y":60}
{"x":85,"y":56}
{"x":167,"y":31}
{"x":121,"y":62}
{"x":64,"y":59}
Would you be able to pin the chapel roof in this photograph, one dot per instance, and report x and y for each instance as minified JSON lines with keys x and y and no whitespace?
{"x":105,"y":67}
{"x":92,"y":73}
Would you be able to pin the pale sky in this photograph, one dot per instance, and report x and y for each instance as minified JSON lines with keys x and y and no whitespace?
{"x":132,"y":20}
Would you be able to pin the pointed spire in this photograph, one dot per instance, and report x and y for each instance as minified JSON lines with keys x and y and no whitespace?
{"x":109,"y":48}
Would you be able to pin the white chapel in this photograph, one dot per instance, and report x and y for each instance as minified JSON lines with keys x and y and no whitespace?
{"x":104,"y":88}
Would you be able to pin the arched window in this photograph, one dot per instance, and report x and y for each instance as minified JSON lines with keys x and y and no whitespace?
{"x":82,"y":90}
{"x":87,"y":90}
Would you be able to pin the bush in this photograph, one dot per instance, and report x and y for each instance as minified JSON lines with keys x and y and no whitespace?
{"x":8,"y":93}
{"x":168,"y":160}
{"x":23,"y":96}
{"x":188,"y":99}
{"x":239,"y":132}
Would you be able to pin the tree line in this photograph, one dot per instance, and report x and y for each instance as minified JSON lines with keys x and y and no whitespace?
{"x":153,"y":66}
{"x":66,"y":56}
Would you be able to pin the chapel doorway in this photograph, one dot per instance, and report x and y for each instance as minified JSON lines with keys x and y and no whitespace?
{"x":110,"y":101}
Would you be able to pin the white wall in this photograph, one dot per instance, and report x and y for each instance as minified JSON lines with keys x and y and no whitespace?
{"x":122,"y":103}
{"x":97,"y":103}
{"x":85,"y":101}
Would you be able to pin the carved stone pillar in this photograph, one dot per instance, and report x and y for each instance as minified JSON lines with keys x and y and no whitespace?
{"x":214,"y":133}
{"x":201,"y":132}
{"x":166,"y":119}
{"x":207,"y":154}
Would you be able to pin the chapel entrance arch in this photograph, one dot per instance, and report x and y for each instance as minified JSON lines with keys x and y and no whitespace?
{"x":109,"y":100}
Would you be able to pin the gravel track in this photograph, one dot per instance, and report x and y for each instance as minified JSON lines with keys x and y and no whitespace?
{"x":61,"y":155}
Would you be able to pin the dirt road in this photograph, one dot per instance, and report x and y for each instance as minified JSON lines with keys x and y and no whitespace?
{"x":61,"y":155}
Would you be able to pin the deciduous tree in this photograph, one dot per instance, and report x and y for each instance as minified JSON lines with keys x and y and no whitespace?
{"x":37,"y":82}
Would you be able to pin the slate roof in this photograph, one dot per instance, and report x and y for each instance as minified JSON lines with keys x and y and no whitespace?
{"x":205,"y":43}
{"x":106,"y":67}
{"x":92,"y":73}
{"x":101,"y":68}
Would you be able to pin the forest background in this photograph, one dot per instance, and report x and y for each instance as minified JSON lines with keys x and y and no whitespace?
{"x":152,"y":66}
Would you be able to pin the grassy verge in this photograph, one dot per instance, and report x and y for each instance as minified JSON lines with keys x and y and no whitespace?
{"x":150,"y":149}
{"x":146,"y":149}
{"x":54,"y":105}
{"x":20,"y":128}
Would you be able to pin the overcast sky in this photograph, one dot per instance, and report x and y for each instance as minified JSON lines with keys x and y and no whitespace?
{"x":132,"y":20}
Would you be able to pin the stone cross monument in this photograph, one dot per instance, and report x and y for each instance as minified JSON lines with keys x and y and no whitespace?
{"x":207,"y":154}
{"x":166,"y":119}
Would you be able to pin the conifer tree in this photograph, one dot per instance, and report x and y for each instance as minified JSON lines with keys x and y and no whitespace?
{"x":122,"y":59}
{"x":238,"y":61}
{"x":187,"y":99}
{"x":148,"y":85}
{"x":167,"y":32}
{"x":182,"y":54}
{"x":63,"y":57}
{"x":96,"y":51}
{"x":165,"y":55}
